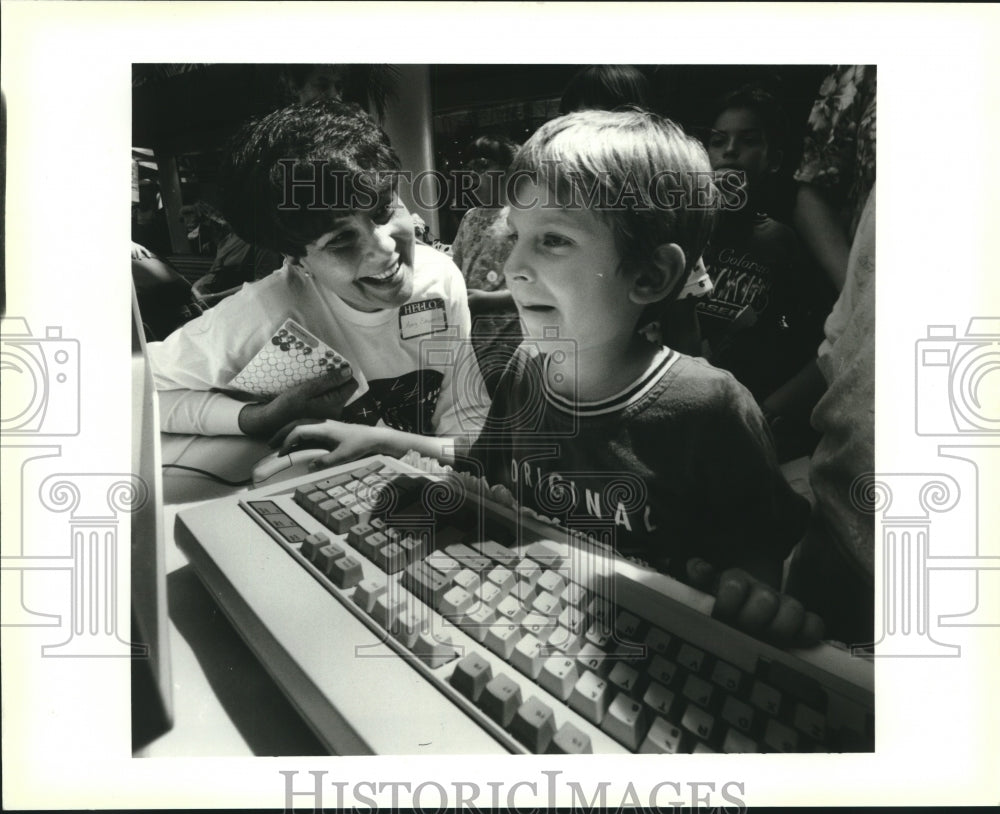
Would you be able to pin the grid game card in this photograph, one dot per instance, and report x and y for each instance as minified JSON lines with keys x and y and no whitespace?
{"x":290,"y":357}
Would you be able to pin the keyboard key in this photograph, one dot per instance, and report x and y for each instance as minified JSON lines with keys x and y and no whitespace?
{"x":455,"y":602}
{"x":727,"y":676}
{"x":387,"y":608}
{"x":528,"y":656}
{"x":443,"y":564}
{"x":312,"y":502}
{"x":303,"y":491}
{"x":809,"y":722}
{"x":465,"y":557}
{"x":509,"y":608}
{"x":547,"y":553}
{"x":345,"y":572}
{"x":541,"y":627}
{"x":333,"y":480}
{"x":413,"y":548}
{"x":526,"y":571}
{"x":659,"y":699}
{"x":736,"y":741}
{"x":789,"y":682}
{"x":658,"y":641}
{"x":591,"y":697}
{"x":575,"y":595}
{"x":551,"y":582}
{"x":663,"y":738}
{"x":534,"y":725}
{"x":780,"y":738}
{"x":627,"y":626}
{"x":502,"y":637}
{"x":569,"y":740}
{"x":312,"y":544}
{"x":502,"y":577}
{"x":367,"y":546}
{"x":625,"y":721}
{"x":738,"y":714}
{"x":558,"y":676}
{"x":368,"y":591}
{"x":348,"y":500}
{"x":662,"y":670}
{"x":410,"y":623}
{"x":765,"y":697}
{"x":327,"y":555}
{"x":339,"y":521}
{"x":435,"y":648}
{"x":357,"y":533}
{"x":593,"y":659}
{"x":523,"y":592}
{"x":601,"y":609}
{"x":698,"y":690}
{"x":467,"y":579}
{"x":489,"y":595}
{"x":496,"y":552}
{"x":703,"y":749}
{"x":691,"y":658}
{"x":599,"y":636}
{"x":471,"y":675}
{"x":625,"y":678}
{"x":564,"y":640}
{"x":390,"y":558}
{"x":698,"y":722}
{"x":501,"y":699}
{"x":429,"y":585}
{"x":574,"y":620}
{"x":477,"y":621}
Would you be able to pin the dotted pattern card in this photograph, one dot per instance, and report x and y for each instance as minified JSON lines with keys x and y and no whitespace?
{"x":290,"y":357}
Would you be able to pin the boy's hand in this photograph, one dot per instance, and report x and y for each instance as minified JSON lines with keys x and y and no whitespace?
{"x":347,"y":442}
{"x":754,"y":607}
{"x":319,"y":399}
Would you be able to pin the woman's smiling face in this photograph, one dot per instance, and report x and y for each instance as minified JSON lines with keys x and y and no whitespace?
{"x":366,"y":259}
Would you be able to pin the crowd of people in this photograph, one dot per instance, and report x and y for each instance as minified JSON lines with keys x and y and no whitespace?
{"x":700,"y":344}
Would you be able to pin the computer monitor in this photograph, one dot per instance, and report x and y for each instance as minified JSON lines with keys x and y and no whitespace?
{"x":152,"y":703}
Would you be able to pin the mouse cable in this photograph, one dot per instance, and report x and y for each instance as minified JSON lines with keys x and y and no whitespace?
{"x":211,"y":475}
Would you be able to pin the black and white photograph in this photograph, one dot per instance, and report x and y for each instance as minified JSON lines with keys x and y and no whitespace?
{"x":498,"y":433}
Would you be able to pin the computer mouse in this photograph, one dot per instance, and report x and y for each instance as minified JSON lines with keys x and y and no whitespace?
{"x":274,"y":467}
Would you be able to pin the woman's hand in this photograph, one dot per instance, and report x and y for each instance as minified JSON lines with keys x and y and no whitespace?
{"x":346,"y":442}
{"x":754,"y":607}
{"x":318,"y":400}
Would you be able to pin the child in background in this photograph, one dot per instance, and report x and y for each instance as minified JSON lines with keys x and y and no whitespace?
{"x":353,"y":276}
{"x":610,"y":430}
{"x":765,"y":313}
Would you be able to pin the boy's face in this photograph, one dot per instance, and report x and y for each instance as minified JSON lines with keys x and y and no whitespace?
{"x":738,"y":142}
{"x":367,"y":258}
{"x":563,"y":272}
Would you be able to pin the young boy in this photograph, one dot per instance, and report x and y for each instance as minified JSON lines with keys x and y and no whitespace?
{"x":608,"y":430}
{"x":312,"y":182}
{"x":765,"y":313}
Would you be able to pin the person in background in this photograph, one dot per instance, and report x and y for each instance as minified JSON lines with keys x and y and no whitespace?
{"x":833,"y":567}
{"x":605,"y":87}
{"x":765,"y":312}
{"x":837,"y":170}
{"x":480,"y":250}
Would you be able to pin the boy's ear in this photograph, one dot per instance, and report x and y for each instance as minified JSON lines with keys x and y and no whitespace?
{"x":661,"y":277}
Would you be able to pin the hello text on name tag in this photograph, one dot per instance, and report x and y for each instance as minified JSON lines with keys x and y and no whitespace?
{"x":422,"y":318}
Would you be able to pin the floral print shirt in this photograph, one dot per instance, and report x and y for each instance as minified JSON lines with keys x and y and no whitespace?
{"x":839,"y":150}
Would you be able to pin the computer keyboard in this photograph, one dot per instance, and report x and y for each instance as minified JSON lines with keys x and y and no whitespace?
{"x":406,"y":612}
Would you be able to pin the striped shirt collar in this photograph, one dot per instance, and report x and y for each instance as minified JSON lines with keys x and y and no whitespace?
{"x":661,"y":363}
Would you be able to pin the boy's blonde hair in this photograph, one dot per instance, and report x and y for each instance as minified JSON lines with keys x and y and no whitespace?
{"x":639,"y":171}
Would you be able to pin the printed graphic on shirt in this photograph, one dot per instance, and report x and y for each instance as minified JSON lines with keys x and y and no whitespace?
{"x":422,"y":318}
{"x":405,"y":402}
{"x":742,"y":289}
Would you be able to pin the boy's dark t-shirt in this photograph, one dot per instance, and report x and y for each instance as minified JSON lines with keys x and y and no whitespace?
{"x":764,"y":317}
{"x":679,"y":464}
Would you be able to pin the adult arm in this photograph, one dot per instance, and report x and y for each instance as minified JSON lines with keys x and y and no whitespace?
{"x":819,"y":225}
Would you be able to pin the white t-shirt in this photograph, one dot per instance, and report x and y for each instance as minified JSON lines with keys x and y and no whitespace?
{"x":421,"y":372}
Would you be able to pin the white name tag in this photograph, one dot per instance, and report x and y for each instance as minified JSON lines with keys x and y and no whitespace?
{"x":422,"y":318}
